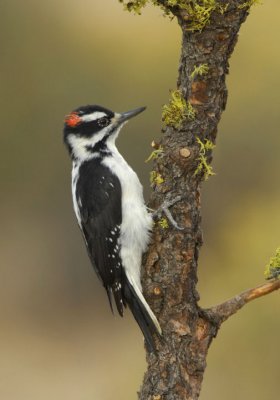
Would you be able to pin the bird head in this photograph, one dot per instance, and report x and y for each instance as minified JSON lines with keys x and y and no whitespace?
{"x":90,"y":128}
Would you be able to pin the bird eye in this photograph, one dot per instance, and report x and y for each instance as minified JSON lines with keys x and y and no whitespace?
{"x":102,"y":122}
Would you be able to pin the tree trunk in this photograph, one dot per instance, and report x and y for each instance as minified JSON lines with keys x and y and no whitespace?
{"x":170,"y":271}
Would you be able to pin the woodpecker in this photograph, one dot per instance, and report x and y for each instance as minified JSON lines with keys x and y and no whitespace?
{"x":109,"y":206}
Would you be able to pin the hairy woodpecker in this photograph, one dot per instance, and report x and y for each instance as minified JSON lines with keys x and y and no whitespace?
{"x":110,"y":209}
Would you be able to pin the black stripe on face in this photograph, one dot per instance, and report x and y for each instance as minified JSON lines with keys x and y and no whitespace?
{"x":100,"y":147}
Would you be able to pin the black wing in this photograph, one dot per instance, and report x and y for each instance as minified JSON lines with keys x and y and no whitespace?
{"x":98,"y":194}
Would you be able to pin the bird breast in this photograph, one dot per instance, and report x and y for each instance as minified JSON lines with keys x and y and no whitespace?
{"x":136,"y":221}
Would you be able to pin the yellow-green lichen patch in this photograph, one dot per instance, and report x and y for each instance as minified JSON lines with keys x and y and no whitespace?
{"x":156,"y":178}
{"x":155,"y":154}
{"x":163,"y":223}
{"x":135,"y":5}
{"x":249,"y":3}
{"x":272,"y":269}
{"x":190,"y":112}
{"x":199,"y":12}
{"x":199,"y":70}
{"x":174,"y":113}
{"x":203,"y":165}
{"x":196,"y":12}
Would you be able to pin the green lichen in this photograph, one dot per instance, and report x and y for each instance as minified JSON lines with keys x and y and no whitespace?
{"x":174,"y":113}
{"x":202,"y":13}
{"x":249,"y":3}
{"x":222,"y":8}
{"x":199,"y":70}
{"x":156,"y":178}
{"x":155,"y":154}
{"x":198,"y":12}
{"x":203,"y":166}
{"x":272,"y":269}
{"x":190,"y":112}
{"x":163,"y":223}
{"x":135,"y":5}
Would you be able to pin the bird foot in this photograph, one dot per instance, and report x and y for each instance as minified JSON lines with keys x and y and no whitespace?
{"x":164,"y":209}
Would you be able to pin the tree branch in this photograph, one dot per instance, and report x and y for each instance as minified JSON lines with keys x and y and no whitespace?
{"x":224,"y":310}
{"x":169,"y":275}
{"x":175,"y":371}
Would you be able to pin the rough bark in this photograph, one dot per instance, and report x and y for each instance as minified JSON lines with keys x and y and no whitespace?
{"x":170,"y":270}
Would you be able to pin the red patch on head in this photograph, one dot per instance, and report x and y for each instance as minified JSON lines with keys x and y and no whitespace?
{"x":72,"y":119}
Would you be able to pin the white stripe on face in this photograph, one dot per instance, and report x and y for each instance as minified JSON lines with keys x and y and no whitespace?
{"x":93,"y":116}
{"x":79,"y":144}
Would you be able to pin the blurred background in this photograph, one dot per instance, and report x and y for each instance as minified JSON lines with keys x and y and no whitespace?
{"x":58,"y":337}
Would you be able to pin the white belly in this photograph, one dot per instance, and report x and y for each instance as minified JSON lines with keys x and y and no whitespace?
{"x":136,"y":221}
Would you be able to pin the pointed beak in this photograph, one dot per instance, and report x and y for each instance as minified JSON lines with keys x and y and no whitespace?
{"x":122,"y":117}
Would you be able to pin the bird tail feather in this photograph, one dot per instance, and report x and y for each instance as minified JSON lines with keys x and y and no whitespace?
{"x":142,"y":312}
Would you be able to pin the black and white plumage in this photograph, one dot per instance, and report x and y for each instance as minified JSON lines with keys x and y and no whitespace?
{"x":110,"y":209}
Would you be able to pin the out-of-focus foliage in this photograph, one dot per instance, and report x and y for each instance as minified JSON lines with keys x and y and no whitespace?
{"x":58,"y":337}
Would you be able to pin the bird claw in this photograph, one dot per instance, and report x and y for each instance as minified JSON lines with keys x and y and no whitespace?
{"x":164,"y":208}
